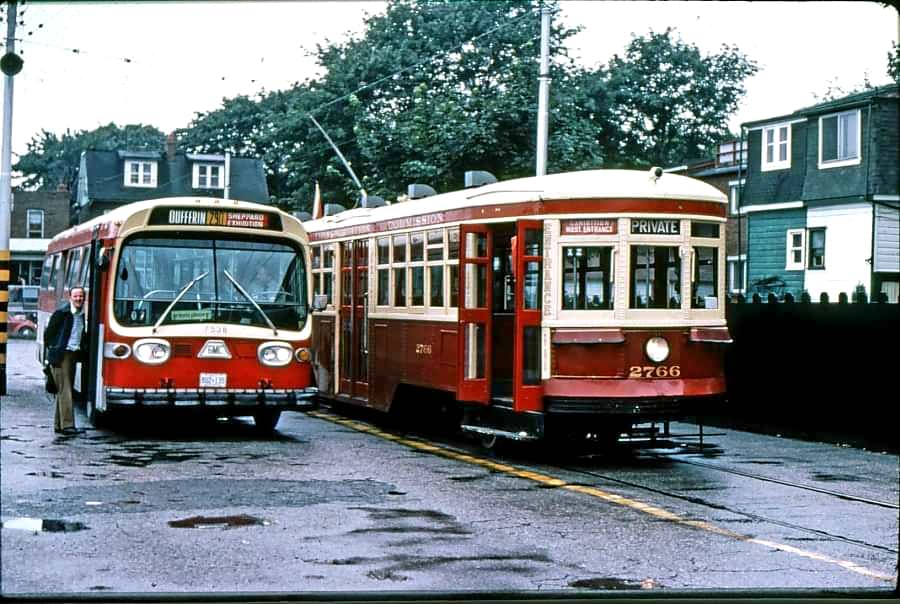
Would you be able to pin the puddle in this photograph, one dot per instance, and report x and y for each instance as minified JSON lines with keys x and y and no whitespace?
{"x":606,"y":583}
{"x":45,"y":525}
{"x":466,"y":478}
{"x":218,"y":521}
{"x":836,"y":477}
{"x":139,"y":456}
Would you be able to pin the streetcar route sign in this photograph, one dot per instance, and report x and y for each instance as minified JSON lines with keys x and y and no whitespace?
{"x":655,"y":226}
{"x":590,"y":226}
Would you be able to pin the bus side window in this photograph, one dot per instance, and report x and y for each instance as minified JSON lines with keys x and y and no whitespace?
{"x":56,"y":282}
{"x":45,"y":272}
{"x":85,"y":265}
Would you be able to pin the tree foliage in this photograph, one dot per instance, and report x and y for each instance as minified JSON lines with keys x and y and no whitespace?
{"x":670,"y":102}
{"x":51,"y":160}
{"x":433,"y":88}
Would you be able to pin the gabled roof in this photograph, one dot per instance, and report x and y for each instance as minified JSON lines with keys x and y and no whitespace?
{"x":105,"y":177}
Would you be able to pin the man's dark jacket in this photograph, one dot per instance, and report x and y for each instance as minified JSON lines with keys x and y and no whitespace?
{"x":56,"y":336}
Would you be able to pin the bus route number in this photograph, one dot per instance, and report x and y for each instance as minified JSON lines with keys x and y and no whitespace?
{"x":654,"y":371}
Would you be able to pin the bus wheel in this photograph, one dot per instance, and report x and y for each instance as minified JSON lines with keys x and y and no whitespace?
{"x":266,"y":420}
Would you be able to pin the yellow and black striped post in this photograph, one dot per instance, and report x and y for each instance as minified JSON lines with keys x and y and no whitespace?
{"x":4,"y":302}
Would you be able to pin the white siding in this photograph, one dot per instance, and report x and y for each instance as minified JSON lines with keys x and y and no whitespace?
{"x":848,"y":246}
{"x":887,"y":240}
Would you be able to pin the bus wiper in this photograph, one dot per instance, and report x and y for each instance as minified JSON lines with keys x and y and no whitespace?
{"x":252,"y":301}
{"x":180,"y":295}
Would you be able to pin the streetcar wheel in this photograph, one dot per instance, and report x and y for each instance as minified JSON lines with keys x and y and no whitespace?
{"x":266,"y":421}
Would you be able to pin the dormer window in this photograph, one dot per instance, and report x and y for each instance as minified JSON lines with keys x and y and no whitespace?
{"x":209,"y":176}
{"x":776,"y":147}
{"x":140,"y":173}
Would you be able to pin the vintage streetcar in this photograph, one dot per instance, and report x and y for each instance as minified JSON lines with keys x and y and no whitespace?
{"x":574,"y":305}
{"x":194,"y":304}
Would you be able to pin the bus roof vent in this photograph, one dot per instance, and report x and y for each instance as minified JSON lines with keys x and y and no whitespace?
{"x":372,"y":201}
{"x":416,"y":191}
{"x":333,"y":208}
{"x":477,"y":178}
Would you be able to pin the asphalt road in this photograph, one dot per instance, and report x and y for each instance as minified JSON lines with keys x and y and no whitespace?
{"x":337,"y":504}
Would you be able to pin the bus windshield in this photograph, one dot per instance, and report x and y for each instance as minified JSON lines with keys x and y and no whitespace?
{"x":152,"y":271}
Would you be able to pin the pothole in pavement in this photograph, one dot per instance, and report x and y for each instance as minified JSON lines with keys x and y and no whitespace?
{"x":218,"y":521}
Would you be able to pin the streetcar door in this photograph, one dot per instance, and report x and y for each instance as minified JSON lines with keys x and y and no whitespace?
{"x":528,"y":260}
{"x":475,"y":324}
{"x":353,"y":314}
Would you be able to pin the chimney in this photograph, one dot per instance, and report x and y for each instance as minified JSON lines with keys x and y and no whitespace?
{"x":170,"y":147}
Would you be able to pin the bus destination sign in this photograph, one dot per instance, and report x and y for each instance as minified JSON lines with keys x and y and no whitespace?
{"x":590,"y":226}
{"x":655,"y":226}
{"x":241,"y":219}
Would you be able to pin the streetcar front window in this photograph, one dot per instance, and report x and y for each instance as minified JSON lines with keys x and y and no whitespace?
{"x":587,"y":278}
{"x":655,"y":277}
{"x":153,"y":271}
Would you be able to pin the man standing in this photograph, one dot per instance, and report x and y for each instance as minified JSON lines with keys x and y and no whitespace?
{"x":65,"y":340}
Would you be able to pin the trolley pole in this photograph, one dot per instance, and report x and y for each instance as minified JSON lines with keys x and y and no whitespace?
{"x":543,"y":93}
{"x":11,"y":65}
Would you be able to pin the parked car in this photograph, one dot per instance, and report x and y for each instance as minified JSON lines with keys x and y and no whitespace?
{"x":20,"y":326}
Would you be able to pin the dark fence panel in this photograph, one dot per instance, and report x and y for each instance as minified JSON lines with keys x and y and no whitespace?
{"x":815,"y":367}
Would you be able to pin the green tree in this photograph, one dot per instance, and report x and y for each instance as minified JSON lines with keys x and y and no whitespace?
{"x":669,"y":101}
{"x":51,"y":160}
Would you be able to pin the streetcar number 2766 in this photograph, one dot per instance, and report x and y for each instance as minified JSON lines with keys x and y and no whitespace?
{"x":654,"y":371}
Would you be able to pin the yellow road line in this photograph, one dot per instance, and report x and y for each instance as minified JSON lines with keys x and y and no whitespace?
{"x":634,"y":504}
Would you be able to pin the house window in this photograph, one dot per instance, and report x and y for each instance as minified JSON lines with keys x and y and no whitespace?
{"x":817,"y":248}
{"x":208,"y":176}
{"x":35,"y":224}
{"x":795,"y":247}
{"x":737,"y":274}
{"x":140,"y":173}
{"x":839,"y":139}
{"x":776,"y":147}
{"x":734,"y":196}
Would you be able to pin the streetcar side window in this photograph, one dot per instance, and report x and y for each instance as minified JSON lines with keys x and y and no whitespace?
{"x":587,"y":278}
{"x":704,"y":281}
{"x":453,"y":257}
{"x":384,"y":271}
{"x":655,"y":277}
{"x":399,"y":264}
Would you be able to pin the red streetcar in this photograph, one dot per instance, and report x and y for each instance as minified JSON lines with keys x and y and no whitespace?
{"x":193,"y":303}
{"x":570,"y":305}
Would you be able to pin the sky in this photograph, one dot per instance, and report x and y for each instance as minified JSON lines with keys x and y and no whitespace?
{"x":88,"y":64}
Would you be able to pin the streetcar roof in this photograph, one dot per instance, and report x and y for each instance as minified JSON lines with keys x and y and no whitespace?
{"x":587,"y":184}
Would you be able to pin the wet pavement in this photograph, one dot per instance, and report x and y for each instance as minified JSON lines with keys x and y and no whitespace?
{"x":327,"y":504}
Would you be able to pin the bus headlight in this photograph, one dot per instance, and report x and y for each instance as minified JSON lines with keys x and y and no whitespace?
{"x":274,"y":354}
{"x":152,"y":351}
{"x":657,"y":349}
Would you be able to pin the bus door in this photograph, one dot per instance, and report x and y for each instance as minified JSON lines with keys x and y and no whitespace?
{"x":94,"y":278}
{"x":475,"y":321}
{"x":528,"y":259}
{"x":354,"y":344}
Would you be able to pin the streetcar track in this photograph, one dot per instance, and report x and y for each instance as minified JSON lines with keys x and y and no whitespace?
{"x":797,"y":485}
{"x":720,"y":507}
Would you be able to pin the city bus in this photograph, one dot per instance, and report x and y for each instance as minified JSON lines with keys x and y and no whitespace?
{"x":582,"y":305}
{"x":193,"y":304}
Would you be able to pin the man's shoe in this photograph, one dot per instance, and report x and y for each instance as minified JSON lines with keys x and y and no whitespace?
{"x":71,"y":431}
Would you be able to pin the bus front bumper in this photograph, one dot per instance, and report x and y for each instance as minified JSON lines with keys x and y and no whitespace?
{"x":212,"y":398}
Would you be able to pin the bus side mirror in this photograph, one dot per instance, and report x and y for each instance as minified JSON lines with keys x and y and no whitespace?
{"x":103,"y":261}
{"x":320,"y":301}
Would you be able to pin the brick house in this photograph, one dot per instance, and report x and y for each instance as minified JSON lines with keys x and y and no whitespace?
{"x":821,"y":196}
{"x":108,"y":179}
{"x":37,"y":216}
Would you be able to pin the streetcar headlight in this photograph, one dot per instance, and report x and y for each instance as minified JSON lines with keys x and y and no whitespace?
{"x":657,"y":349}
{"x":274,"y":354}
{"x":152,"y":351}
{"x":302,"y":355}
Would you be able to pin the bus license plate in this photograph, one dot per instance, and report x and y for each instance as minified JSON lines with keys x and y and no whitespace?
{"x":213,"y":380}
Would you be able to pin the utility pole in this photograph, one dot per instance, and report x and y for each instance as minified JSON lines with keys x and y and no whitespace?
{"x":11,"y":64}
{"x":543,"y":93}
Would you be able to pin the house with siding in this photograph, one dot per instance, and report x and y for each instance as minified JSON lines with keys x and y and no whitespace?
{"x":821,"y":198}
{"x":108,"y":179}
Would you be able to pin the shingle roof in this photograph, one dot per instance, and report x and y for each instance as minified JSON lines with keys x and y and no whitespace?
{"x":105,"y":178}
